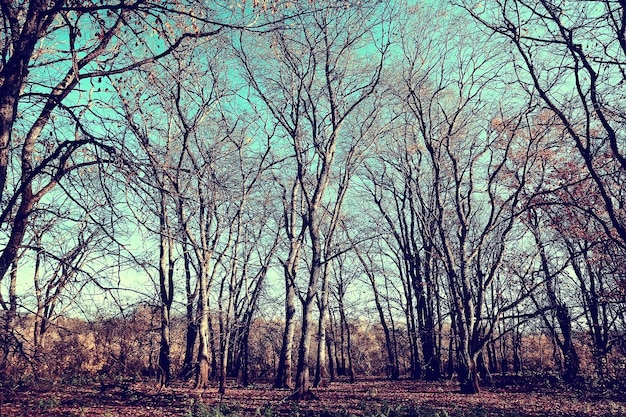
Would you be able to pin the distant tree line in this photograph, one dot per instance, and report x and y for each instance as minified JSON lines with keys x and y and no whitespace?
{"x":116,"y":351}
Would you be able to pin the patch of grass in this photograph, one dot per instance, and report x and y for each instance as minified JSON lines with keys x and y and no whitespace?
{"x":49,"y":403}
{"x":326,"y":412}
{"x":400,"y":410}
{"x":426,"y":412}
{"x":199,"y":409}
{"x":266,"y":411}
{"x":403,"y":410}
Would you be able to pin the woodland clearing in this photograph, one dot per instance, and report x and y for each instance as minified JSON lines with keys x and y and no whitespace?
{"x":367,"y":397}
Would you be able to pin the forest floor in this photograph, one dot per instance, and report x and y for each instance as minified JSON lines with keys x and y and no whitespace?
{"x":367,"y":397}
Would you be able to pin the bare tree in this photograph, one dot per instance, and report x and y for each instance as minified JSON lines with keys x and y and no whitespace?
{"x":579,"y":262}
{"x":170,"y":174}
{"x":87,"y":45}
{"x":562,"y":331}
{"x":572,"y":55}
{"x":60,"y":62}
{"x":449,"y":183}
{"x":252,"y":241}
{"x":312,"y":82}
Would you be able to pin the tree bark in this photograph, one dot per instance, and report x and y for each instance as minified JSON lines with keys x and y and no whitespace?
{"x":303,"y":375}
{"x":191,"y":332}
{"x":166,"y":291}
{"x":322,"y":349}
{"x":202,"y":365}
{"x":468,"y":374}
{"x":571,"y":362}
{"x":284,"y":373}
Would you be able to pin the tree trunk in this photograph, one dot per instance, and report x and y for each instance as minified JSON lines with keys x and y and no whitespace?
{"x":322,"y":356}
{"x":452,"y":344}
{"x":245,"y":358}
{"x":426,"y":318}
{"x":191,"y":333}
{"x":202,"y":366}
{"x":322,"y":351}
{"x":392,"y":371}
{"x":332,"y":355}
{"x":166,"y":291}
{"x":468,"y":374}
{"x":467,"y":357}
{"x":213,"y":343}
{"x":284,"y":373}
{"x":491,"y":356}
{"x":303,"y":375}
{"x":571,"y":364}
{"x":223,"y":367}
{"x":163,"y":374}
{"x":346,"y":354}
{"x":349,"y":352}
{"x":517,"y":347}
{"x":8,"y":339}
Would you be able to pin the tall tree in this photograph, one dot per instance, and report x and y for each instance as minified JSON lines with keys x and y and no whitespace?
{"x":447,"y":179}
{"x":314,"y":77}
{"x":168,"y":123}
{"x":59,"y":63}
{"x":562,"y":332}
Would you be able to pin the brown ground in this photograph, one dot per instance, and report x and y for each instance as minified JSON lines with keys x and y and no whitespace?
{"x":142,"y":399}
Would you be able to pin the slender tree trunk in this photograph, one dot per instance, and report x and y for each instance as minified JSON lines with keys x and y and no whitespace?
{"x":39,"y":314}
{"x":166,"y":292}
{"x":341,"y":366}
{"x":213,"y":347}
{"x":517,"y":347}
{"x":164,"y":373}
{"x":426,"y":316}
{"x":245,"y":358}
{"x":303,"y":375}
{"x":452,"y":347}
{"x":322,"y":351}
{"x":414,"y":337}
{"x":595,"y":309}
{"x":322,"y":356}
{"x":202,"y":366}
{"x":332,"y":352}
{"x":7,"y":339}
{"x":491,"y":356}
{"x":502,"y":348}
{"x":284,"y":373}
{"x":349,"y":352}
{"x":451,"y":355}
{"x":346,"y":340}
{"x":227,"y":318}
{"x":467,"y":366}
{"x":191,"y":333}
{"x":571,"y":363}
{"x":223,"y":371}
{"x":18,"y":230}
{"x":393,"y":372}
